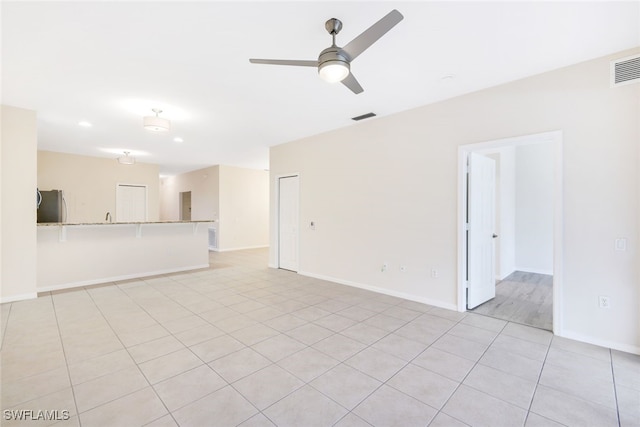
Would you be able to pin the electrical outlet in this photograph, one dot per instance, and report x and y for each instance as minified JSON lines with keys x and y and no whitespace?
{"x":384,"y":268}
{"x":403,"y":268}
{"x":603,"y":302}
{"x":434,"y":273}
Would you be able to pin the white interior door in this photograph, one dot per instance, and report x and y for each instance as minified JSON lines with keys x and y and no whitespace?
{"x":131,"y":203}
{"x":288,"y":202}
{"x":481,"y":285}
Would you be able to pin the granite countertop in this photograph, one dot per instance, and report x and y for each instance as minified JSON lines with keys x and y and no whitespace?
{"x":57,"y":224}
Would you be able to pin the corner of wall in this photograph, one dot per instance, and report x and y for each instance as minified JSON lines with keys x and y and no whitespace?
{"x":18,"y":181}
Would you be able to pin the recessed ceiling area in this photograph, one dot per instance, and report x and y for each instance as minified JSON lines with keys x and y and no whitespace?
{"x":110,"y":63}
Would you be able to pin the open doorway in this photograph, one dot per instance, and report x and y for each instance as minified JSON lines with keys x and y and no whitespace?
{"x":522,"y":248}
{"x":185,"y":206}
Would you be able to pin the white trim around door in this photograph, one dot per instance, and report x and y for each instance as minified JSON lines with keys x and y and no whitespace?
{"x":555,"y":137}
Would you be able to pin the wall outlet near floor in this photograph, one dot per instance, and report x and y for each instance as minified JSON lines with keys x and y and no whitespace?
{"x":603,"y":302}
{"x":403,"y":268}
{"x":384,"y":267}
{"x":434,"y":273}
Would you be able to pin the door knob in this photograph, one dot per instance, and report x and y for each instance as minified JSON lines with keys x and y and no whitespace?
{"x":495,"y":235}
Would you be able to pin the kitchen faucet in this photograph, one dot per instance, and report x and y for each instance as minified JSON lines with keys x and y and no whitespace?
{"x":108,"y":217}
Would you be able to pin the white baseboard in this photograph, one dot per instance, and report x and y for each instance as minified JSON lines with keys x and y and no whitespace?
{"x":599,"y":342}
{"x":101,"y":280}
{"x":21,"y":297}
{"x":242,"y":248}
{"x":383,"y":291}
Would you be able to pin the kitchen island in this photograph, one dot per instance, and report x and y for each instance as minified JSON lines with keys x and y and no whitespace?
{"x":81,"y":254}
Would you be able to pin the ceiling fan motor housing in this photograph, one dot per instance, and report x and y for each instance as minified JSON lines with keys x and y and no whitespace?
{"x":333,"y":54}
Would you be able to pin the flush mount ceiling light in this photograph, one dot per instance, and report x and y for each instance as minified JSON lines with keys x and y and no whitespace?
{"x":126,"y":159}
{"x":85,"y":124}
{"x":155,"y":123}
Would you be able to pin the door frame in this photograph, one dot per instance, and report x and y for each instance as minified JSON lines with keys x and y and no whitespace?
{"x":556,"y":138}
{"x":181,"y":195}
{"x":277,"y":221}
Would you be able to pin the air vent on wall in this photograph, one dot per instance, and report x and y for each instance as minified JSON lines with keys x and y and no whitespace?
{"x":625,"y":70}
{"x":364,"y":116}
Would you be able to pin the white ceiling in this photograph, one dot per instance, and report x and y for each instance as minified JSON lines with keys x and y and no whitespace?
{"x":110,"y":63}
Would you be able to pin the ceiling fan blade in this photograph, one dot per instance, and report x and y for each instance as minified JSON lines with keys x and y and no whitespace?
{"x":358,"y":45}
{"x":284,"y":62}
{"x":351,"y":82}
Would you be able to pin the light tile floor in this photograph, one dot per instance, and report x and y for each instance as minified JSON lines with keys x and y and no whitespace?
{"x":241,"y":344}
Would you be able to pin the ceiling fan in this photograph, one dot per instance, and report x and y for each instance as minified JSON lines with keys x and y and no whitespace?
{"x":334,"y":62}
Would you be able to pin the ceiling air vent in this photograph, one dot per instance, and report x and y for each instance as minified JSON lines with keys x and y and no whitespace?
{"x":625,"y":70}
{"x":364,"y":116}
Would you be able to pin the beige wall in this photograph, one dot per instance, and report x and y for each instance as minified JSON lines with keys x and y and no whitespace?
{"x":237,"y":198}
{"x":385,"y":190}
{"x":18,"y":146}
{"x":89,"y":183}
{"x":202,"y":183}
{"x":244,"y":208}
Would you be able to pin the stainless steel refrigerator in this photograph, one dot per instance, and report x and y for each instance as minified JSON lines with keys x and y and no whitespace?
{"x":51,"y":206}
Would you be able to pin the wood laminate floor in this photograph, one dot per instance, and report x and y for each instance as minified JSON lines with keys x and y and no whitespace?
{"x":524,"y":298}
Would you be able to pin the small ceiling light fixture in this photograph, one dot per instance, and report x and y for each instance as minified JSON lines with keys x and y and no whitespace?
{"x":178,"y":139}
{"x":155,"y":123}
{"x":333,"y":71}
{"x":85,"y":124}
{"x":126,"y":159}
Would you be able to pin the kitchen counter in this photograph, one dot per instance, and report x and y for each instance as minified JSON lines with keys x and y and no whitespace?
{"x":56,"y":224}
{"x":80,"y":254}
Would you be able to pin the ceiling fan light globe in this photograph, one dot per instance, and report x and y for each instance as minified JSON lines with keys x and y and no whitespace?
{"x":333,"y":71}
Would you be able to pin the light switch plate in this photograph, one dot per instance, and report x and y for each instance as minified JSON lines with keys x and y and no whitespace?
{"x":621,"y":244}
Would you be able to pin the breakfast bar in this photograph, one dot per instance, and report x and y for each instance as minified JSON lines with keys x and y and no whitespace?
{"x":81,"y":254}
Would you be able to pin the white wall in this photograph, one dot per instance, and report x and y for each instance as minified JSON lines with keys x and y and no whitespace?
{"x":89,"y":183}
{"x":534,"y":208}
{"x":385,"y":190}
{"x":204,"y":186}
{"x":507,"y":209}
{"x":109,"y":252}
{"x":18,"y":146}
{"x":244,"y":208}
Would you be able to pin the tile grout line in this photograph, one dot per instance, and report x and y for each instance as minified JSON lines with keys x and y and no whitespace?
{"x":4,"y":327}
{"x":132,"y":358}
{"x":535,"y":390}
{"x":472,"y":368}
{"x":308,"y":383}
{"x":615,"y":389}
{"x":66,"y":362}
